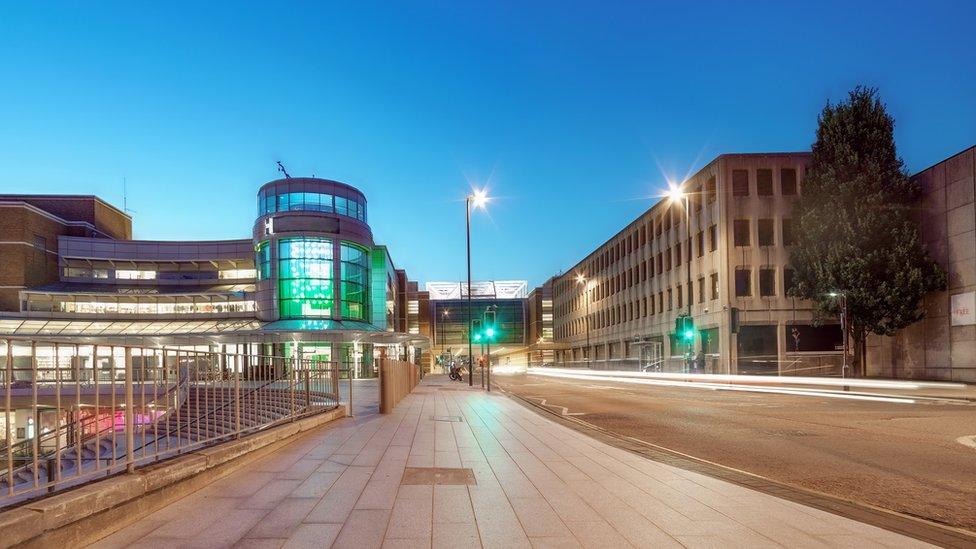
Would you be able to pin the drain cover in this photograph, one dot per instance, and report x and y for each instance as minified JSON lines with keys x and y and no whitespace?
{"x":438,"y":475}
{"x":455,"y":419}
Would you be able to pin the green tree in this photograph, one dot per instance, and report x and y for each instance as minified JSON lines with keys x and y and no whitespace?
{"x":855,"y":228}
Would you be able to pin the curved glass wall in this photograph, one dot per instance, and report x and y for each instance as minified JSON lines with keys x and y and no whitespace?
{"x":269,"y":202}
{"x":355,"y":280}
{"x":305,"y":277}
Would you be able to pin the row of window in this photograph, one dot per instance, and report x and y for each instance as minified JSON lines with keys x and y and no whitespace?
{"x":132,"y":274}
{"x":670,"y":299}
{"x":764,"y":182}
{"x":316,"y":202}
{"x":663,"y":262}
{"x":742,"y":232}
{"x":147,"y":308}
{"x":646,"y":232}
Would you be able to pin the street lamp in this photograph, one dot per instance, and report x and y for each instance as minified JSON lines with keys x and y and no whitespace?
{"x":676,"y":195}
{"x":842,"y":298}
{"x":581,"y":280}
{"x":478,"y":199}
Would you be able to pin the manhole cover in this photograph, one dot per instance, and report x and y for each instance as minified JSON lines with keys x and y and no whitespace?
{"x":456,"y":419}
{"x":438,"y":475}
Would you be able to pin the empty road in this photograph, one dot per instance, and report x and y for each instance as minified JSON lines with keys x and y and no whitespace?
{"x":903,"y":457}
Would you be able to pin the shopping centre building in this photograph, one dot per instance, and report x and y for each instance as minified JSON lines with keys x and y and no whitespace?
{"x":309,"y":279}
{"x":722,"y":257}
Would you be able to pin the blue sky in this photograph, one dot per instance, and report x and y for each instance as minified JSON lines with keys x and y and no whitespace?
{"x":572,"y":113}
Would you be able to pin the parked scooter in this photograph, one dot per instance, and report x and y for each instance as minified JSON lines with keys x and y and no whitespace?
{"x":455,"y":372}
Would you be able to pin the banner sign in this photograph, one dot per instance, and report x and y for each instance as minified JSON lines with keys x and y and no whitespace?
{"x":963,"y":309}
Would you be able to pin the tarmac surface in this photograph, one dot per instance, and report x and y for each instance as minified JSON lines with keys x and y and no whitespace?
{"x":911,"y":458}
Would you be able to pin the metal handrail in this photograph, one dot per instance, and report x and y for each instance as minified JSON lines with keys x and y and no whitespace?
{"x":219,"y":395}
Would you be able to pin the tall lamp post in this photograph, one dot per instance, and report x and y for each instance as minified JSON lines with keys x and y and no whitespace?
{"x":478,"y":199}
{"x":676,"y":195}
{"x":842,"y":298}
{"x":581,"y":280}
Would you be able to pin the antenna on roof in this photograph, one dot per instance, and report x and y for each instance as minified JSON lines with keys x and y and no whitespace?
{"x":125,"y":199}
{"x":282,"y":169}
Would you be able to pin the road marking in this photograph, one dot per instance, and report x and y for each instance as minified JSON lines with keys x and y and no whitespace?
{"x":564,"y":412}
{"x":969,"y":440}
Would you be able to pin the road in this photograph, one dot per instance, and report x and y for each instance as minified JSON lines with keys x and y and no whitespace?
{"x":903,"y":457}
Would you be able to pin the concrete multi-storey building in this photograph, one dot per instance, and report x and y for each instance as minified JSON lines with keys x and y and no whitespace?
{"x":720,"y":255}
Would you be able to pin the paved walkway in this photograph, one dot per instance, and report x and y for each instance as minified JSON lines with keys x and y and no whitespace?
{"x":538,"y":484}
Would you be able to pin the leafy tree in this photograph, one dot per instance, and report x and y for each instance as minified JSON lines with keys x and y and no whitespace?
{"x":855,"y":230}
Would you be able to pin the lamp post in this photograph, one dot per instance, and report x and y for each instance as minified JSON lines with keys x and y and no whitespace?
{"x":676,"y":194}
{"x":581,"y":280}
{"x":842,"y":298}
{"x":479,"y":198}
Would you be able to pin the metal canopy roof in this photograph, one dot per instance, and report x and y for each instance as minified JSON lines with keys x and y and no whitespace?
{"x":205,"y":331}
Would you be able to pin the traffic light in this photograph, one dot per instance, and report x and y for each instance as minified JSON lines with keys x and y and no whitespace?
{"x":490,"y":333}
{"x":684,"y":327}
{"x":490,"y":318}
{"x":476,"y":330}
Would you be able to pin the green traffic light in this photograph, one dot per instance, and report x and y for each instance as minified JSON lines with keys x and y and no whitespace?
{"x":689,"y":334}
{"x":477,"y":337}
{"x":490,"y":332}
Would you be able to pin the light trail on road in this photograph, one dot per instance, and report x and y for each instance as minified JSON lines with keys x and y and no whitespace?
{"x":753,"y":379}
{"x":825,"y":393}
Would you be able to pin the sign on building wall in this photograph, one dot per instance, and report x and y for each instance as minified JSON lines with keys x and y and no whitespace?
{"x":963,"y":309}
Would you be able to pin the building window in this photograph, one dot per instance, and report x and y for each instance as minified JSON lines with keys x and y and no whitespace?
{"x":236,"y":274}
{"x":710,"y":191}
{"x":262,"y":258}
{"x":354,"y":271}
{"x":714,"y":280}
{"x":787,"y":182}
{"x":713,"y":238}
{"x":660,"y":302}
{"x":787,"y":280}
{"x":743,"y":283}
{"x":767,"y":282}
{"x":305,"y":277}
{"x":667,"y":260}
{"x":787,"y":231}
{"x":135,"y":275}
{"x":670,"y":299}
{"x":680,"y":300}
{"x":764,"y":182}
{"x":701,"y":243}
{"x":701,"y":290}
{"x":740,"y":183}
{"x":765,"y":228}
{"x":740,"y":232}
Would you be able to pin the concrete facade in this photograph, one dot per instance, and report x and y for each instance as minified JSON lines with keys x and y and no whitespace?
{"x":939,"y":347}
{"x":628,"y":292}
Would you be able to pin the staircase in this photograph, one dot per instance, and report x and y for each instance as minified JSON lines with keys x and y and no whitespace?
{"x":206,"y":413}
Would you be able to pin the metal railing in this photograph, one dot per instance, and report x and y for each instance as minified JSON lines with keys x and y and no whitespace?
{"x":72,"y":413}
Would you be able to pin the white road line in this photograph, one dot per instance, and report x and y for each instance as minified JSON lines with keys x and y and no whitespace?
{"x":969,"y":440}
{"x":565,"y":411}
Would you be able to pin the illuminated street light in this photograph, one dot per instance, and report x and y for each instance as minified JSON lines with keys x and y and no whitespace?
{"x":478,"y":198}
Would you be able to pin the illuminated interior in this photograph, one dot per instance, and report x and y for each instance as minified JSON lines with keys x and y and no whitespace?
{"x":355,"y":280}
{"x":305,"y":285}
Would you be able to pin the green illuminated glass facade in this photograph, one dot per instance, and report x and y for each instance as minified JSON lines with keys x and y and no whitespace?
{"x":355,"y":280}
{"x":305,"y":285}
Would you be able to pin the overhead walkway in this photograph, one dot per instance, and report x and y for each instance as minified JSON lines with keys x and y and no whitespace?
{"x":455,"y":467}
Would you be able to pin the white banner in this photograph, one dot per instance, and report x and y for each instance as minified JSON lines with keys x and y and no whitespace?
{"x":963,"y":309}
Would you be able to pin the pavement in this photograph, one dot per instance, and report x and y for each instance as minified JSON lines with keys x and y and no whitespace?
{"x":368,"y":482}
